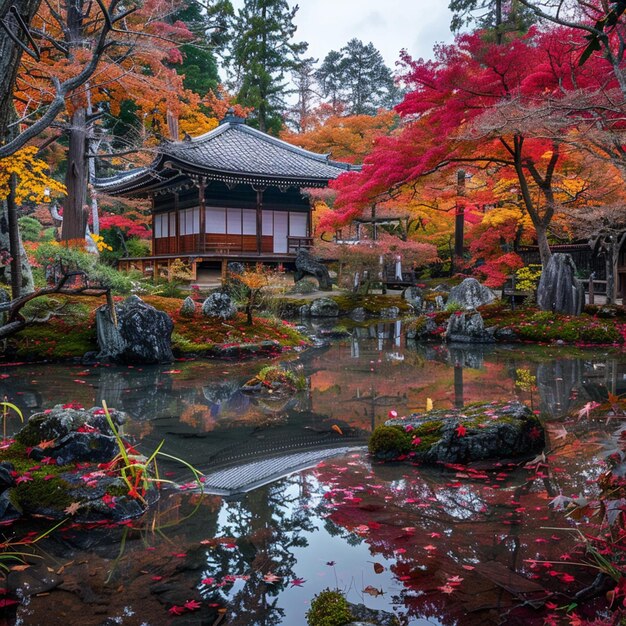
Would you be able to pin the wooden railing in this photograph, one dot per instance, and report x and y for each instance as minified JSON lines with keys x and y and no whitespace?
{"x":295,"y":243}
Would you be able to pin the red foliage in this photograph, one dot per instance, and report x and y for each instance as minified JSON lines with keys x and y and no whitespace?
{"x":495,"y":271}
{"x":129,"y":227}
{"x":487,"y":106}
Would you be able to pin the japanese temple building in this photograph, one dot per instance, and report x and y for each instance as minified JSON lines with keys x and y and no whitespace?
{"x":234,"y":193}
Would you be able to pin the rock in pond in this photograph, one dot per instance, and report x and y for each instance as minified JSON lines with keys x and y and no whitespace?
{"x":68,"y":463}
{"x":468,"y":328}
{"x":479,"y":432}
{"x":324,"y":307}
{"x":142,"y":334}
{"x":470,"y":294}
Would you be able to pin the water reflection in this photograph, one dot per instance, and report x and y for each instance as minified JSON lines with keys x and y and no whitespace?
{"x":352,"y":383}
{"x":327,"y":526}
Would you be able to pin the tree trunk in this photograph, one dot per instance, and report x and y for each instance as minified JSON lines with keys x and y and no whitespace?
{"x":542,"y":243}
{"x":10,"y":55}
{"x":611,"y":258}
{"x":26,"y":276}
{"x":75,"y":211}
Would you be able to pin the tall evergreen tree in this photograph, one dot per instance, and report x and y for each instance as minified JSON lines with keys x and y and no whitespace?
{"x":209,"y":25}
{"x":330,"y":78}
{"x":500,"y":16}
{"x":261,"y":53}
{"x":300,"y":115}
{"x":368,"y":81}
{"x":356,"y":80}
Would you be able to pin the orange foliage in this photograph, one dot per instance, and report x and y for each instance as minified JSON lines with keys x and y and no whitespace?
{"x":138,"y":65}
{"x":348,"y":138}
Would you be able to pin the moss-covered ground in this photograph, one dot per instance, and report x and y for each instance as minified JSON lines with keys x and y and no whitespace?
{"x":73,"y":333}
{"x":594,"y":326}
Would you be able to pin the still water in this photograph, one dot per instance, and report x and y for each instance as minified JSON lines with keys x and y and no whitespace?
{"x":296,"y":506}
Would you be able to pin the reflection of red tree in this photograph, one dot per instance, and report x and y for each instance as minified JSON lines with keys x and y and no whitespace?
{"x":343,"y":388}
{"x":441,"y":527}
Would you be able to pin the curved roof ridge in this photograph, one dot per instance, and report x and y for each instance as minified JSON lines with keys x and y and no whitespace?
{"x":244,"y":128}
{"x":281,"y":143}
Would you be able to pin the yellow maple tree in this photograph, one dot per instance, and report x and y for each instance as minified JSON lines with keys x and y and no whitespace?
{"x":34,"y":184}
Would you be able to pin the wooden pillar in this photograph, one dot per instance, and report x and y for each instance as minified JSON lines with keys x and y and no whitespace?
{"x":259,"y":220}
{"x":202,"y":204}
{"x":224,"y":270}
{"x":176,"y":224}
{"x":153,"y":225}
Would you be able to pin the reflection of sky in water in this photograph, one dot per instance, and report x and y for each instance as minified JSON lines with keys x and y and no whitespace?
{"x":340,"y":560}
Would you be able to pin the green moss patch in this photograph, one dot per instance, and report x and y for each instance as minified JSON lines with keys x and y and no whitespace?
{"x":329,"y":608}
{"x":74,"y":334}
{"x":545,"y":326}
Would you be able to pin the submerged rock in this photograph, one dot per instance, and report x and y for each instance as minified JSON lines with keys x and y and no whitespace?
{"x":479,"y":432}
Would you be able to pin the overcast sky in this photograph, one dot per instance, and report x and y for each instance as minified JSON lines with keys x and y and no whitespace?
{"x":389,"y":24}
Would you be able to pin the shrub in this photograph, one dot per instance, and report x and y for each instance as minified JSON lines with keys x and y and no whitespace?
{"x":329,"y":608}
{"x":30,"y":228}
{"x":74,"y":258}
{"x":389,"y":440}
{"x":527,"y":278}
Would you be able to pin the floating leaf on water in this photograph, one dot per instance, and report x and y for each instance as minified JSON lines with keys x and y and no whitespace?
{"x":379,"y":568}
{"x":372,"y":591}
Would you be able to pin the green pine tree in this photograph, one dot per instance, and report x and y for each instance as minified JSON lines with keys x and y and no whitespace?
{"x":499,"y":16}
{"x":262,"y":52}
{"x":209,"y":23}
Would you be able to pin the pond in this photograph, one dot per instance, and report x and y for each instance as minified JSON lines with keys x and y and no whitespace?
{"x":294,"y":504}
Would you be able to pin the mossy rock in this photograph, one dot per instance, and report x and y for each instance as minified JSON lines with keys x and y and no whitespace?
{"x":329,"y":608}
{"x":480,"y":432}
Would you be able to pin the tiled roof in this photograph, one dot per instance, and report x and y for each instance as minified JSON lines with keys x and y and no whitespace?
{"x":232,"y":152}
{"x":238,"y":149}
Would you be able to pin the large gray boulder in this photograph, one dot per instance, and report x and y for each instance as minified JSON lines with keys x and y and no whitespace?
{"x":306,"y":263}
{"x":142,"y":334}
{"x":324,"y":307}
{"x":219,"y":305}
{"x":468,"y":328}
{"x":470,"y":294}
{"x":559,"y":290}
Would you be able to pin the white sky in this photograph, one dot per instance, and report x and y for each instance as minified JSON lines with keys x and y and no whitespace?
{"x":389,"y":24}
